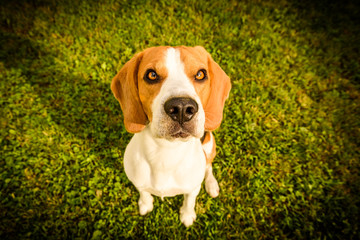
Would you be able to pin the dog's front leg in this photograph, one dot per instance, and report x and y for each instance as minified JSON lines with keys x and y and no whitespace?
{"x":211,"y":185}
{"x":145,"y":202}
{"x":187,"y":211}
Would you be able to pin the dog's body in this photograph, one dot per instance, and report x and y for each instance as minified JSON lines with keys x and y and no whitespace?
{"x":172,"y":98}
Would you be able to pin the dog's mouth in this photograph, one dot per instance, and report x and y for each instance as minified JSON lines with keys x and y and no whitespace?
{"x":181,"y":134}
{"x":173,"y":131}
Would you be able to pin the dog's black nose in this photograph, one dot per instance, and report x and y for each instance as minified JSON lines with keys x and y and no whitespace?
{"x":181,"y":109}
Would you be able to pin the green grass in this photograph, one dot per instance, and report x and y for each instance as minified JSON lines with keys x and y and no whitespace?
{"x":288,"y":148}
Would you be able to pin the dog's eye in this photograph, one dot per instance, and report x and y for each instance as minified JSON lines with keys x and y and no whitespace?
{"x":151,"y":76}
{"x":201,"y":75}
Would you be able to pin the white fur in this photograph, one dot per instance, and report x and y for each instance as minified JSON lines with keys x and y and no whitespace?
{"x":209,"y":145}
{"x":211,"y":185}
{"x":166,"y":167}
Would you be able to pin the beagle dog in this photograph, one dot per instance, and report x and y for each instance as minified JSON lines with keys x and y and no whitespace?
{"x":171,"y":98}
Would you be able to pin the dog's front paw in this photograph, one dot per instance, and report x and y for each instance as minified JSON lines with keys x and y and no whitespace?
{"x":145,"y":204}
{"x":212,"y":186}
{"x":145,"y":208}
{"x":187,"y":217}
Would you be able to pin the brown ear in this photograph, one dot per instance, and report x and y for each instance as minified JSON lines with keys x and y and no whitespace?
{"x":124,"y":87}
{"x":220,"y":87}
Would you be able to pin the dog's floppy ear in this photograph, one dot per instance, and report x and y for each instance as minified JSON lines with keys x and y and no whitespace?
{"x":220,"y":87}
{"x":124,"y":87}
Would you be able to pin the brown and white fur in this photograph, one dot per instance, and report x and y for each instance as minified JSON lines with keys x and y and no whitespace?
{"x":172,"y":98}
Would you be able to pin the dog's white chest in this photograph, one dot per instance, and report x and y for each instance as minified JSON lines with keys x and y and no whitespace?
{"x":164,"y":168}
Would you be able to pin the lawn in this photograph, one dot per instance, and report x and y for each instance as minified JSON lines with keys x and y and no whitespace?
{"x":288,"y":148}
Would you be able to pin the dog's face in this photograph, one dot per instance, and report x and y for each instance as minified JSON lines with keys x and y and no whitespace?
{"x":179,"y":91}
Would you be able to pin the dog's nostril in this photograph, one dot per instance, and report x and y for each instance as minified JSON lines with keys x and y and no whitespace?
{"x":174,"y":113}
{"x":174,"y":110}
{"x":190,"y":110}
{"x":181,"y":109}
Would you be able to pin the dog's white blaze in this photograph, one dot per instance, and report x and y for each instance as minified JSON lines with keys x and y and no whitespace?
{"x":177,"y":84}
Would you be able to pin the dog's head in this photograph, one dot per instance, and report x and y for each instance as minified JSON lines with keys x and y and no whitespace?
{"x":179,"y":91}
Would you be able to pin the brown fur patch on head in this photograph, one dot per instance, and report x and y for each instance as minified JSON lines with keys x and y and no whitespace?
{"x":134,"y":95}
{"x":214,"y":91}
{"x":194,"y":61}
{"x":154,"y":59}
